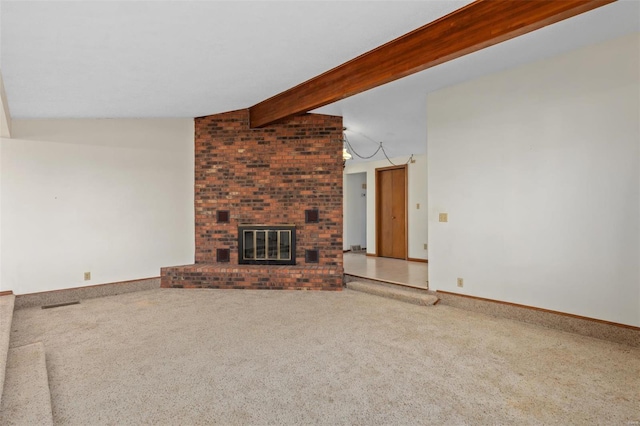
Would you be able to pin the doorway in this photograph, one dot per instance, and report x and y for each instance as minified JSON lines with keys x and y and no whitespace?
{"x":355,"y":211}
{"x":391,"y":212}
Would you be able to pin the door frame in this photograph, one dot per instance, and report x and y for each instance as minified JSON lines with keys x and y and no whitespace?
{"x":406,"y":207}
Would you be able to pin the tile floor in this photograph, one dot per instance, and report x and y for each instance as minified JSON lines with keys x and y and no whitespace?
{"x":384,"y":269}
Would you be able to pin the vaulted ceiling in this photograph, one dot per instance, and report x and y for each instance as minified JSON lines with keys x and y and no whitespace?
{"x":108,"y":59}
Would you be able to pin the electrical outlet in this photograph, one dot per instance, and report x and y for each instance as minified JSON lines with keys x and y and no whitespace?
{"x":443,"y":217}
{"x":460,"y":282}
{"x":87,"y":276}
{"x":418,"y":206}
{"x":425,"y":246}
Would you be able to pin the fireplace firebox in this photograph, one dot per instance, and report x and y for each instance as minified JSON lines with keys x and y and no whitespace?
{"x":267,"y":244}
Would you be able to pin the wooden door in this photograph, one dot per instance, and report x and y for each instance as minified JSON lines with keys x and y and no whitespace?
{"x":391,"y":212}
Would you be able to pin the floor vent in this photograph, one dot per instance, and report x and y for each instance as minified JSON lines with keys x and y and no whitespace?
{"x":61,"y":304}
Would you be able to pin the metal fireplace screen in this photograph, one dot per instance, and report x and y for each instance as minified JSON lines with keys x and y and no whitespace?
{"x":267,"y":245}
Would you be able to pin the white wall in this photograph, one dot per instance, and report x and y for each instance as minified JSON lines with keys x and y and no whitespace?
{"x":417,"y":195}
{"x":355,"y":208}
{"x":538,"y":169}
{"x":5,"y":132}
{"x":110,"y":197}
{"x":2,"y":142}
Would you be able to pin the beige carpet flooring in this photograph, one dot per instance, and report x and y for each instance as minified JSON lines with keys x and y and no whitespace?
{"x":279,"y":357}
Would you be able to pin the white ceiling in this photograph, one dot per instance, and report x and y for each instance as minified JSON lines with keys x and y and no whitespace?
{"x":107,"y":59}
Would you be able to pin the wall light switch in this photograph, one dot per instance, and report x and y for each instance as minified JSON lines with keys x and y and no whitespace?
{"x":364,"y":186}
{"x":418,"y":206}
{"x":425,"y":246}
{"x":87,"y":276}
{"x":443,"y":217}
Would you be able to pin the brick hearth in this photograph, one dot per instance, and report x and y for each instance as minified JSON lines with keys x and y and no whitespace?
{"x":268,"y":176}
{"x":298,"y":277}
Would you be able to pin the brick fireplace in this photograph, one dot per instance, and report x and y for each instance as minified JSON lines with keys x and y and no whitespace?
{"x":285,"y":176}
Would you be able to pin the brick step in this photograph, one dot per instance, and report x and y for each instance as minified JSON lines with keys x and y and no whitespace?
{"x":276,"y":277}
{"x":27,"y":399}
{"x":6,"y":317}
{"x":392,"y":291}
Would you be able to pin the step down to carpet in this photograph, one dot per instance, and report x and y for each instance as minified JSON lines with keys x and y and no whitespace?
{"x":415,"y":296}
{"x":27,"y":399}
{"x":6,"y":317}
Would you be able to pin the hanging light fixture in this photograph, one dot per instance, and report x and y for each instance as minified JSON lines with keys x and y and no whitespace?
{"x":346,"y":155}
{"x":347,"y":149}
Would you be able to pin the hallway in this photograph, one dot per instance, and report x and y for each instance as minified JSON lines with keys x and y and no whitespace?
{"x":414,"y":274}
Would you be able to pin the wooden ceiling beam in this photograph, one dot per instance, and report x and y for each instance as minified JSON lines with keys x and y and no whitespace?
{"x":476,"y":26}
